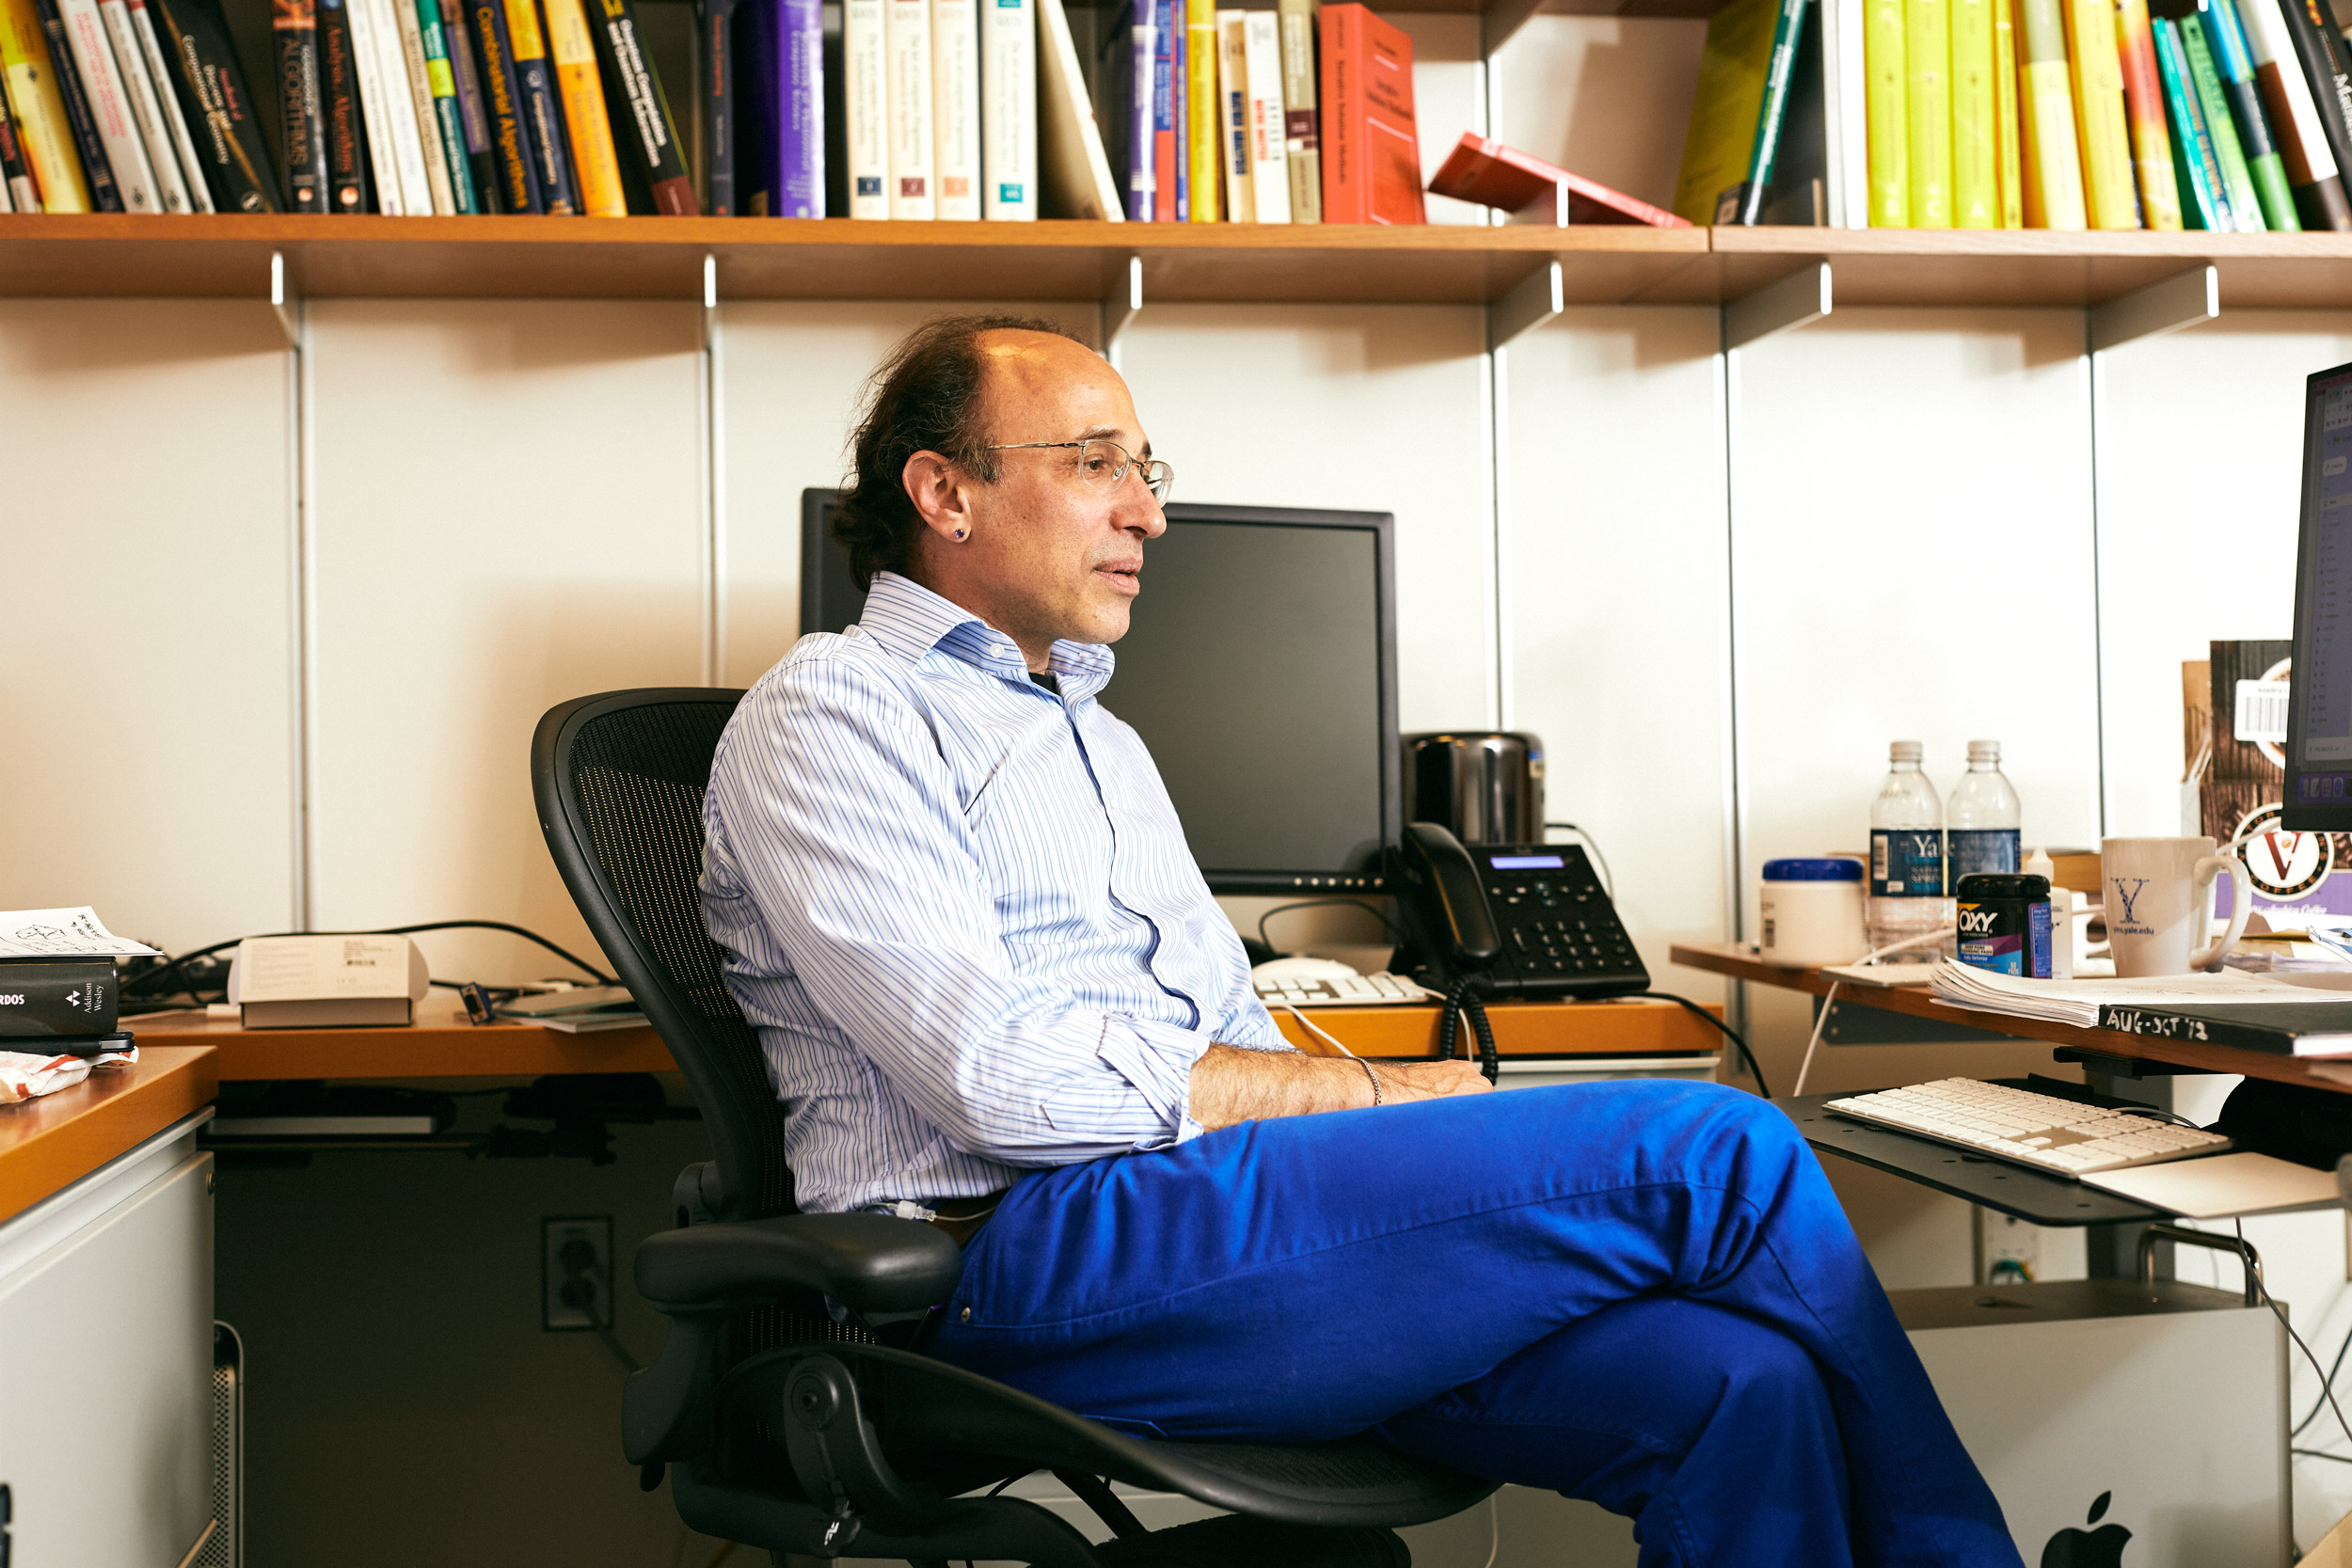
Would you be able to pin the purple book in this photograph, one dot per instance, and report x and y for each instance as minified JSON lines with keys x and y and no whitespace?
{"x":1180,"y":108}
{"x":800,"y":110}
{"x":1142,"y":169}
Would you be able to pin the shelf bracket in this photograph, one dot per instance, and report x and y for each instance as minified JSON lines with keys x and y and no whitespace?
{"x":287,"y":322}
{"x":1797,"y":300}
{"x":711,"y":299}
{"x":2167,"y":305}
{"x":1531,"y":302}
{"x":1121,"y":307}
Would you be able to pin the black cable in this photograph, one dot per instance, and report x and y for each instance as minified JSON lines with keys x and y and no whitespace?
{"x":1460,"y":1002}
{"x":1394,"y":930}
{"x":2321,"y":1404}
{"x":2254,"y":1277}
{"x":1608,"y":882}
{"x":141,"y":982}
{"x":2316,"y":1453}
{"x":1729,"y":1033}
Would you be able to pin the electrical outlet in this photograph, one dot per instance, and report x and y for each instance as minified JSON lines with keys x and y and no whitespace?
{"x":576,"y":1271}
{"x":2009,"y":1251}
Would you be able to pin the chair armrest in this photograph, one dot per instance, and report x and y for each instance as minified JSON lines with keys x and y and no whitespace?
{"x":869,"y":1262}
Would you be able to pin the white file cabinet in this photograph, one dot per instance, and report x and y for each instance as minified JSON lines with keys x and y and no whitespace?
{"x":106,"y":1342}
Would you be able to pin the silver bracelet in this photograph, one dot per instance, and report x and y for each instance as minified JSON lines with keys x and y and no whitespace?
{"x":1377,"y":1098}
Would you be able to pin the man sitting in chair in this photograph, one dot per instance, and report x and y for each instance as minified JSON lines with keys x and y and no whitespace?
{"x":957,"y":906}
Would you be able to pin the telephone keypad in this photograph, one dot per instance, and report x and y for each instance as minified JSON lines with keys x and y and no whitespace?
{"x":1560,"y":935}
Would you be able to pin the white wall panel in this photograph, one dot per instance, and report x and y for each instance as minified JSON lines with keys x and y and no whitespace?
{"x":793,"y":374}
{"x":2199,"y":494}
{"x":509,"y":515}
{"x":1619,"y":593}
{"x":1374,"y":407}
{"x":1449,"y":98}
{"x":146,"y":672}
{"x":1607,"y":96}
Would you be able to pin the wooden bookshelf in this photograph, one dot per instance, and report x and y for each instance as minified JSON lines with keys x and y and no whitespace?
{"x":228,"y":255}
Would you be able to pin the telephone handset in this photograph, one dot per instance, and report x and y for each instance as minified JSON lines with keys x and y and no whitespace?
{"x":1527,"y":920}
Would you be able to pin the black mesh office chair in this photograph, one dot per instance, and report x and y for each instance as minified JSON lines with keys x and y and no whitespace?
{"x":783,"y":1428}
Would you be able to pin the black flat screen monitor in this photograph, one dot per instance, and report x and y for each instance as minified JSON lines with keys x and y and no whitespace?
{"x":2319,"y":708}
{"x":1259,"y":668}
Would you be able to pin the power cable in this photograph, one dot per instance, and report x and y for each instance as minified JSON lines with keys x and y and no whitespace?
{"x":1372,"y":910}
{"x":1607,"y":881}
{"x":1728,"y":1033}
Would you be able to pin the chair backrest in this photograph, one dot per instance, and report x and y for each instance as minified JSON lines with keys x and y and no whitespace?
{"x":619,"y":780}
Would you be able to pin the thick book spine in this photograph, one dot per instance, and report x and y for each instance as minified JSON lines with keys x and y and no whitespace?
{"x":43,"y":999}
{"x":109,"y":100}
{"x":1772,"y":112}
{"x":16,"y":177}
{"x":2008,"y":164}
{"x":2201,"y":188}
{"x":1204,"y":149}
{"x":715,"y":104}
{"x":2237,"y":178}
{"x":1180,"y":112}
{"x":1008,"y":110}
{"x":295,"y":30}
{"x":1269,"y":153}
{"x":1136,"y":56}
{"x":2045,"y":109}
{"x":2144,"y":103}
{"x":167,"y":99}
{"x":542,"y":102}
{"x":1164,"y":36}
{"x":2312,"y":172}
{"x":418,"y":73}
{"x":1301,"y":120}
{"x":502,"y":103}
{"x":147,"y":109}
{"x":376,"y":101}
{"x":2331,"y":90}
{"x":213,"y":90}
{"x":907,"y":30}
{"x":1886,"y":98}
{"x":649,"y":131}
{"x":955,"y":107}
{"x":338,"y":110}
{"x":801,"y":146}
{"x":1928,"y":106}
{"x":37,"y":101}
{"x":595,"y":162}
{"x":442,"y":83}
{"x":2100,"y":129}
{"x":473,"y":111}
{"x":2263,"y":160}
{"x":105,"y":194}
{"x":865,"y":86}
{"x":1232,"y":92}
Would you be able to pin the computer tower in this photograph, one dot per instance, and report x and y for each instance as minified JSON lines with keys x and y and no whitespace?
{"x":2107,"y":1415}
{"x":225,"y":1546}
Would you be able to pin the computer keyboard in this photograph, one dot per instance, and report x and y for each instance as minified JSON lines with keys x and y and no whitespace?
{"x":2062,"y":1137}
{"x":1354,"y":991}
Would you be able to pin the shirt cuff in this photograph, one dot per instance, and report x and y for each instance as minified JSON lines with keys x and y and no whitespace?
{"x":1157,"y":1059}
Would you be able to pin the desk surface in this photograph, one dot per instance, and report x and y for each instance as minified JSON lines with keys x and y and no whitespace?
{"x":48,"y":1143}
{"x":1738,"y":961}
{"x":442,"y":1044}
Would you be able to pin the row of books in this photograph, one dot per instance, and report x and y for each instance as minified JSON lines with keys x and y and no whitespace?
{"x":2224,"y":115}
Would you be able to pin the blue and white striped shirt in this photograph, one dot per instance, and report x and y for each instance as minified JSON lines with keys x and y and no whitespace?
{"x":959,"y":910}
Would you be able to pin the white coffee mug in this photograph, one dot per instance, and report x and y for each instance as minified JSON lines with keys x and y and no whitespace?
{"x":2157,"y":895}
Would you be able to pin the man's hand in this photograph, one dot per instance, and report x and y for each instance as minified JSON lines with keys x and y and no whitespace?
{"x":1231,"y":1084}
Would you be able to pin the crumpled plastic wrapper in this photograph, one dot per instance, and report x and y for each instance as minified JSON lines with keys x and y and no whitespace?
{"x":26,"y":1076}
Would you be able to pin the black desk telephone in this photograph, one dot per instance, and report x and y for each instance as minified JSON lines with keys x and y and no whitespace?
{"x":1526,"y":920}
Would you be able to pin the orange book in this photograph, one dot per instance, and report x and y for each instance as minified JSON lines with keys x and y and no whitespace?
{"x":573,"y":50}
{"x":1371,"y":154}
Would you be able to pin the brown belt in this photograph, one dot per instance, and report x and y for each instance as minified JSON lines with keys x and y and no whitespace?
{"x":962,"y":1217}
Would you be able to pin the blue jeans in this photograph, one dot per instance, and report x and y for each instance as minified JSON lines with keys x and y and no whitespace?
{"x":1640,"y":1293}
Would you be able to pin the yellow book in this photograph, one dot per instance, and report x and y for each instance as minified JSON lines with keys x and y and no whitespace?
{"x":2100,"y":129}
{"x":574,"y":51}
{"x":1207,"y":175}
{"x":1928,"y":99}
{"x":40,"y":109}
{"x":1890,"y":126}
{"x":1715,"y":151}
{"x":1975,"y":117}
{"x":2008,"y":154}
{"x":2045,"y":111}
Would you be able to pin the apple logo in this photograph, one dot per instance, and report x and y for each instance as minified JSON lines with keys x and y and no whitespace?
{"x":2088,"y":1549}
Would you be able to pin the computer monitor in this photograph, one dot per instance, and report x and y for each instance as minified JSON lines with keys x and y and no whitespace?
{"x":2319,"y":711}
{"x":1259,"y":668}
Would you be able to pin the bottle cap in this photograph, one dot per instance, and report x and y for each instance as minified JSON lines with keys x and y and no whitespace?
{"x":1984,"y":750}
{"x":1903,"y":750}
{"x":1817,"y":869}
{"x":2002,"y":884}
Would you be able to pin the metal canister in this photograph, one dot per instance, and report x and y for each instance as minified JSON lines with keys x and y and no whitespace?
{"x":1487,"y":787}
{"x":2005,"y":922}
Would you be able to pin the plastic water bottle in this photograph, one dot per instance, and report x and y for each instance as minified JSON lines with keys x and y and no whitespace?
{"x":1906,"y":858}
{"x":1980,"y":824}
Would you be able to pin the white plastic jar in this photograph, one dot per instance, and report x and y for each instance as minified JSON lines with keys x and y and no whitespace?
{"x":1812,"y":910}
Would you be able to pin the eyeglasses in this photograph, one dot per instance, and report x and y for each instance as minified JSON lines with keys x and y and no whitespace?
{"x":1103,"y":465}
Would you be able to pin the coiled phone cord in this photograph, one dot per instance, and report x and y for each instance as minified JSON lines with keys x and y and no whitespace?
{"x":1461,"y":1002}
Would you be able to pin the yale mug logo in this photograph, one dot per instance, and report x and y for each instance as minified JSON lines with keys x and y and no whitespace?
{"x":2088,"y":1549}
{"x":2137,"y":885}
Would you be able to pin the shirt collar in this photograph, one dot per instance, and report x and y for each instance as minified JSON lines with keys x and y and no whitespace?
{"x":909,"y":621}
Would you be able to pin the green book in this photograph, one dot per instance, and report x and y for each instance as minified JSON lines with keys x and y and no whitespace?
{"x":437,"y":70}
{"x":2236,"y":178}
{"x":2262,"y":158}
{"x":2205,"y":200}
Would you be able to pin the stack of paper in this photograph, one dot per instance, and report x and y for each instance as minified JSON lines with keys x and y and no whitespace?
{"x":2077,"y":1002}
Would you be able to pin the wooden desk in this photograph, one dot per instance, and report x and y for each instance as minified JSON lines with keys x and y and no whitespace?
{"x":1635,"y":1026}
{"x":1738,"y":961}
{"x":50,"y":1143}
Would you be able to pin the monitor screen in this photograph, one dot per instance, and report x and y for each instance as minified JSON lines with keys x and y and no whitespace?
{"x":1260,"y":667}
{"x":2319,"y":716}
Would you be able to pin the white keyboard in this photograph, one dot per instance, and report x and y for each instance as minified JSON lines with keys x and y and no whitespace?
{"x":1355,"y":991}
{"x":2037,"y":1130}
